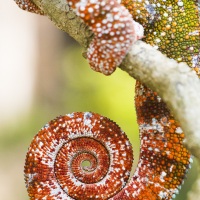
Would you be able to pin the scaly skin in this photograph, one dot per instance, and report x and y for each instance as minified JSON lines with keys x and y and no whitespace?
{"x":29,"y":6}
{"x":171,"y":26}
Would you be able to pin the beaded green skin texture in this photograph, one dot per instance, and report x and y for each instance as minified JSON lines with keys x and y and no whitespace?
{"x":172,"y":27}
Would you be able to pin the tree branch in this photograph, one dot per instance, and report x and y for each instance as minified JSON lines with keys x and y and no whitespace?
{"x":175,"y":83}
{"x":65,"y":19}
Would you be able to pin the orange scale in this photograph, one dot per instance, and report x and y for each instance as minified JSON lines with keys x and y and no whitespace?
{"x":170,"y":156}
{"x":174,"y":126}
{"x":169,"y":145}
{"x":162,"y":162}
{"x":169,"y":164}
{"x":176,"y":140}
{"x":179,"y":148}
{"x":167,"y":135}
{"x":157,"y":180}
{"x":185,"y":154}
{"x":171,"y":130}
{"x":178,"y":174}
{"x":184,"y":161}
{"x":172,"y":121}
{"x":178,"y":159}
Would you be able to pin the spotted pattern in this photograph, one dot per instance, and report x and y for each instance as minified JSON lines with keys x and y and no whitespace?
{"x":56,"y":154}
{"x":28,"y":5}
{"x":114,"y":32}
{"x":170,"y":26}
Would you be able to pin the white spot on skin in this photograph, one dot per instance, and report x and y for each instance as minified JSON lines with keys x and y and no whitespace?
{"x":162,"y":195}
{"x":178,"y":130}
{"x":165,"y":14}
{"x":171,"y":168}
{"x":30,"y":178}
{"x":196,"y":60}
{"x":180,"y":3}
{"x":154,"y":126}
{"x":87,"y":121}
{"x":162,"y":176}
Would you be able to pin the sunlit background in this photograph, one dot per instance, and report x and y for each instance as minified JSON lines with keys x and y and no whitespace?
{"x":43,"y":75}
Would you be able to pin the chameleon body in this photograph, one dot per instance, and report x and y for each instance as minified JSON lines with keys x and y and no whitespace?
{"x":171,"y":26}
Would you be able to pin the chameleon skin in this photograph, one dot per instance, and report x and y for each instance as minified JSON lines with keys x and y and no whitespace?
{"x":173,"y":28}
{"x":114,"y":32}
{"x":53,"y":163}
{"x":29,"y":6}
